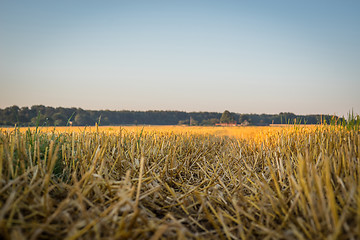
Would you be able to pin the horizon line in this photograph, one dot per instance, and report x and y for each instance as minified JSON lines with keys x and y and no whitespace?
{"x":167,"y":110}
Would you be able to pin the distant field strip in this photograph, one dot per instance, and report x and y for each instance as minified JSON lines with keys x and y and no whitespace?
{"x":238,"y":132}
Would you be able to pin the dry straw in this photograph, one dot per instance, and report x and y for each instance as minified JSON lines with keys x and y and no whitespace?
{"x":293,"y":183}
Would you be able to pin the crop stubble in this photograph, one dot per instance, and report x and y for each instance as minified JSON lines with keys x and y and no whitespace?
{"x":180,"y":183}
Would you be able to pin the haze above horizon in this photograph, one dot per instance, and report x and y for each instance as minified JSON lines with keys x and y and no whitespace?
{"x":243,"y":56}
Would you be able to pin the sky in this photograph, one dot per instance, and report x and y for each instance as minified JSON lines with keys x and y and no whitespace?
{"x":242,"y":56}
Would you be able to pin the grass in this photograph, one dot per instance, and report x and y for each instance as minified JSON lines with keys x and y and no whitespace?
{"x":180,"y":183}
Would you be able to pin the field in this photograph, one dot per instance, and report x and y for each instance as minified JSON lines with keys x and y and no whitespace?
{"x":238,"y":132}
{"x":152,"y":182}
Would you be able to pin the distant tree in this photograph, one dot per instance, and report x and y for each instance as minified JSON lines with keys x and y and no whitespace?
{"x":48,"y":116}
{"x":193,"y":122}
{"x":59,"y":119}
{"x":227,"y":117}
{"x":82,"y":118}
{"x":184,"y":122}
{"x":12,"y":114}
{"x":24,"y":116}
{"x":243,"y":118}
{"x":287,"y":117}
{"x":209,"y":122}
{"x":40,"y":120}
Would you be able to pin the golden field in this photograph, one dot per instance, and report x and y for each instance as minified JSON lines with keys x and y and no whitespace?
{"x":177,"y":182}
{"x":237,"y":132}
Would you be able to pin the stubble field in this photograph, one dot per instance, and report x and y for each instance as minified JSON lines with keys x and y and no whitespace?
{"x":172,"y":182}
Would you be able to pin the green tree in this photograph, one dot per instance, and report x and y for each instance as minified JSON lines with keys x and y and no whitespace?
{"x":59,"y":119}
{"x":209,"y":122}
{"x":82,"y":118}
{"x":227,"y":117}
{"x":193,"y":122}
{"x":243,"y":118}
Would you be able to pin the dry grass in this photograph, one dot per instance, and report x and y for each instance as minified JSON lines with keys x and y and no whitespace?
{"x":283,"y":183}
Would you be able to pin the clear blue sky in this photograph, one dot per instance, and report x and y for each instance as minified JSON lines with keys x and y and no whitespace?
{"x":244,"y":56}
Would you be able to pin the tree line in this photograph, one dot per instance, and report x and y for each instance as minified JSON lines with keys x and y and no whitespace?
{"x":39,"y":115}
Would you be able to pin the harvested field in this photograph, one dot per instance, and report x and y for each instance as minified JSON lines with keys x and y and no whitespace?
{"x":180,"y":183}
